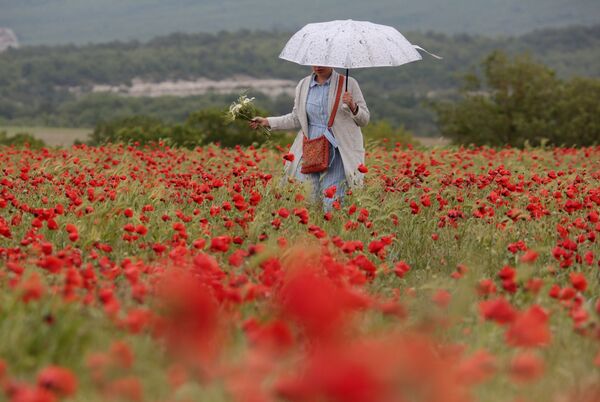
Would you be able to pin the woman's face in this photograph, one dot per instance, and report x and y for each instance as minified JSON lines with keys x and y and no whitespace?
{"x":322,"y":71}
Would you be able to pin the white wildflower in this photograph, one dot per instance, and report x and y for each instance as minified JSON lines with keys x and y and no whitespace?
{"x":243,"y":108}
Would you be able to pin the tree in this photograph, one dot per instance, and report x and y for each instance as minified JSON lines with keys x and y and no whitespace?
{"x":579,"y":112}
{"x":519,"y":102}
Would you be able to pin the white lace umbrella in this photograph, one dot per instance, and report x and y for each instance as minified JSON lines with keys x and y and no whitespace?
{"x":350,"y":44}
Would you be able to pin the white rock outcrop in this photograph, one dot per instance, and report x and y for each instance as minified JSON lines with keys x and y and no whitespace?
{"x":139,"y":88}
{"x":8,"y":39}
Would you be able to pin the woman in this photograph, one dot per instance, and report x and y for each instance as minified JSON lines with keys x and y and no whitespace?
{"x":313,"y":103}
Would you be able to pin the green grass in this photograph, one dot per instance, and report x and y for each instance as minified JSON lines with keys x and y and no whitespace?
{"x":29,"y":342}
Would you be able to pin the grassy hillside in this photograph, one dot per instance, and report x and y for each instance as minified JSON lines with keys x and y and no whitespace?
{"x":82,"y":21}
{"x":36,"y":81}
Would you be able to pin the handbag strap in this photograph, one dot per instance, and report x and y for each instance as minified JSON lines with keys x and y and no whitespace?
{"x":337,"y":101}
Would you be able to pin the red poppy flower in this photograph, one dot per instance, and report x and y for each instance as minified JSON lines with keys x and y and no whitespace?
{"x":127,"y":388}
{"x":141,"y":230}
{"x":529,"y":257}
{"x":376,"y":246}
{"x":330,"y":192}
{"x":526,"y":367}
{"x":529,"y":329}
{"x":578,"y":281}
{"x":59,"y":380}
{"x":401,"y":269}
{"x":477,"y":368}
{"x":220,"y":243}
{"x":442,"y":298}
{"x":32,"y":288}
{"x":486,"y":287}
{"x":498,"y":310}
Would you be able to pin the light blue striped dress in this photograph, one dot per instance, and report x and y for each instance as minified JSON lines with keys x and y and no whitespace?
{"x":318,"y":115}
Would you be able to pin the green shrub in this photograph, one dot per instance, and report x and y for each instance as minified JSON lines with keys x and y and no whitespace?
{"x":200,"y":128}
{"x":214,"y":128}
{"x":21,"y":140}
{"x":135,"y":128}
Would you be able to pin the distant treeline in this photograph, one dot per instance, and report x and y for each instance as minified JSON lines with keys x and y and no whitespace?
{"x":35,"y":81}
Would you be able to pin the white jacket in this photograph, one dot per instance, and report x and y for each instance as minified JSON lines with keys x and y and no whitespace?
{"x":346,"y":127}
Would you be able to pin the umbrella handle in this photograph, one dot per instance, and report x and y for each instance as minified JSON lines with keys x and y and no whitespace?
{"x":346,"y":80}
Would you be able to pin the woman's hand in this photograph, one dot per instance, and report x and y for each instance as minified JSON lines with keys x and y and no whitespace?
{"x":347,"y":99}
{"x":259,"y":122}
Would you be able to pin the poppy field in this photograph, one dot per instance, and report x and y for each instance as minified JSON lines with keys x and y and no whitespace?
{"x":132,"y":273}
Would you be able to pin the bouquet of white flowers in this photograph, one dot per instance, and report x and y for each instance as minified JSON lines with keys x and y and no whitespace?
{"x":244,"y":109}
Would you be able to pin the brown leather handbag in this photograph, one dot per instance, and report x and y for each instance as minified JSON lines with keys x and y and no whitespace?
{"x":315,"y":152}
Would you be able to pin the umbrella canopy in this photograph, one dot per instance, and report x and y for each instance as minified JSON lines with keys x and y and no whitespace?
{"x":350,"y":44}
